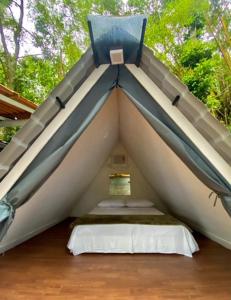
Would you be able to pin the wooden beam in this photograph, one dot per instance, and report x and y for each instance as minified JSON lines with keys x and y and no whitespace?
{"x":16,"y":103}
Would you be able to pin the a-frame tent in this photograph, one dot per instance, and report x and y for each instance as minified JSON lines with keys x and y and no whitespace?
{"x":58,"y":160}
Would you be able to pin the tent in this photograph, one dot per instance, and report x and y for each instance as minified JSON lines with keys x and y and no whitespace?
{"x":59,"y":163}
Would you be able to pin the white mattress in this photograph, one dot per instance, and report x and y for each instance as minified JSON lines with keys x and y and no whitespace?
{"x":132,"y":238}
{"x":126,"y":211}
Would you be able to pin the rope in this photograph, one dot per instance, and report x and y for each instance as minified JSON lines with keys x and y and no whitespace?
{"x":116,"y":81}
{"x":216,"y":197}
{"x":61,"y":104}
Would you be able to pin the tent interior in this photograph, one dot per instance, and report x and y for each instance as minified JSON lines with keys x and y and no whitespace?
{"x":82,"y":179}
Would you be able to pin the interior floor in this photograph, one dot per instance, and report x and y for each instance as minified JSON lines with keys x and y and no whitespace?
{"x":42,"y":268}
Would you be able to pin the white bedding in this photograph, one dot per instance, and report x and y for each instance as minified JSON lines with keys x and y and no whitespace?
{"x":131,"y":238}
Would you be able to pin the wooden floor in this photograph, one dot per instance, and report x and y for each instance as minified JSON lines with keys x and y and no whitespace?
{"x":42,"y":268}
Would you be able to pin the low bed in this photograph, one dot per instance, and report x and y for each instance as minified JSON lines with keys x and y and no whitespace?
{"x":130,"y":230}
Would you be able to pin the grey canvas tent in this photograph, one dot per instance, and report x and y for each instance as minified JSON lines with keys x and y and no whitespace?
{"x":57,"y":164}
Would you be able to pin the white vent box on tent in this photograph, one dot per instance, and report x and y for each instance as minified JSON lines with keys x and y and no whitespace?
{"x":117,"y":56}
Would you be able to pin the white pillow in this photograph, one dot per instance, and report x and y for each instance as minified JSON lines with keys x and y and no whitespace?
{"x":139,"y":203}
{"x":112,"y":203}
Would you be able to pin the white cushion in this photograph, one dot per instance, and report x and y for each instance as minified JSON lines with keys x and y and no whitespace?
{"x":139,"y":203}
{"x":112,"y":203}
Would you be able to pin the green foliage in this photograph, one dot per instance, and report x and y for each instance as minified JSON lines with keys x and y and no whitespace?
{"x":195,"y":51}
{"x":201,"y":79}
{"x":213,"y":103}
{"x":7,"y":133}
{"x":192,"y":37}
{"x":36,"y":77}
{"x":167,"y":32}
{"x":11,"y":36}
{"x":2,"y":76}
{"x":61,"y":27}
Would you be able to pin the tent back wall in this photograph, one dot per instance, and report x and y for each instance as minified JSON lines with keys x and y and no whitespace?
{"x":99,"y":188}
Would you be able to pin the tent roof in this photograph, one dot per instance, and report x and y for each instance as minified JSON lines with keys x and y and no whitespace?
{"x":193,"y":109}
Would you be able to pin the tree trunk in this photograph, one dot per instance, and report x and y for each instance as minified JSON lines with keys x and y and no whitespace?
{"x":10,"y":60}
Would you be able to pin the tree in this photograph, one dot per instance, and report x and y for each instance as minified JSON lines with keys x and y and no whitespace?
{"x":36,"y":77}
{"x":168,"y":30}
{"x":61,"y":34}
{"x":192,"y":37}
{"x":219,"y":27}
{"x":11,"y":33}
{"x":61,"y":27}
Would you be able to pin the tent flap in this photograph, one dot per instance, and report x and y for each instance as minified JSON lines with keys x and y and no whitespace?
{"x":7,"y":212}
